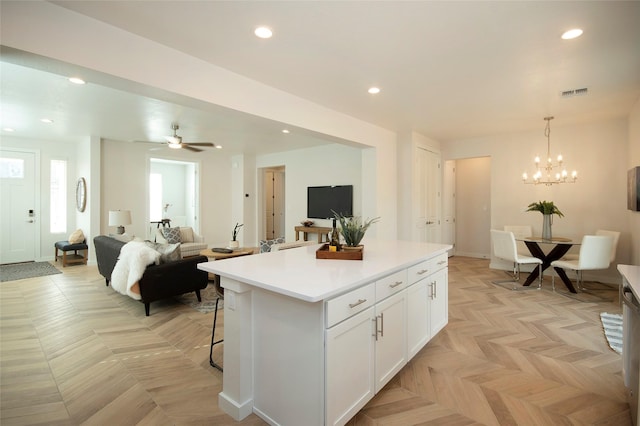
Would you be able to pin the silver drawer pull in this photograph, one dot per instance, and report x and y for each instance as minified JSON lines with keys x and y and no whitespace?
{"x":442,"y":262}
{"x":422,"y":271}
{"x":396,"y":284}
{"x":359,"y":302}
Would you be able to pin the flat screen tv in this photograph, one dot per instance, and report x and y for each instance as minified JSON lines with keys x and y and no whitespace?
{"x":322,"y":201}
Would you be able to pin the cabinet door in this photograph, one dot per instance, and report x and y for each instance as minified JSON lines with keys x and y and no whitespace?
{"x":438,"y":300}
{"x":418,"y":327}
{"x":349,"y":367}
{"x":391,"y":347}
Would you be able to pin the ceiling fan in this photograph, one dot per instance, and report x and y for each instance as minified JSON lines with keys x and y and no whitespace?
{"x":175,"y":142}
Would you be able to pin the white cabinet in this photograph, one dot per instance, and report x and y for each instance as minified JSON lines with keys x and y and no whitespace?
{"x":390,"y":326}
{"x":438,"y":301}
{"x":427,"y":302}
{"x":367,"y":349}
{"x":418,"y":326}
{"x":350,"y":358}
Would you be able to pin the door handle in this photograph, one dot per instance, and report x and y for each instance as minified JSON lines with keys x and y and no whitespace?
{"x":30,"y":221}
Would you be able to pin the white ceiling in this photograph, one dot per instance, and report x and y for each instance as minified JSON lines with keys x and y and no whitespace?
{"x":448,"y":70}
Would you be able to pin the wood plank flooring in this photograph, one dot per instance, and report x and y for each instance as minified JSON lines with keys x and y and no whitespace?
{"x":75,"y":352}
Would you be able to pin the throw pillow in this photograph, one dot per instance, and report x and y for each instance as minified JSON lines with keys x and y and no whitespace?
{"x":76,"y":237}
{"x":186,"y":234}
{"x":265,"y":245}
{"x":168,"y":252}
{"x":172,"y":235}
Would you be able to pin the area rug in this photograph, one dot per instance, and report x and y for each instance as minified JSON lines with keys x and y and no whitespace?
{"x":208,"y":303}
{"x":19,"y":271}
{"x":612,"y":326}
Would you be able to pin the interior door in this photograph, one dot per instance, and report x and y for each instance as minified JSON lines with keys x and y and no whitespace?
{"x":427,"y":182}
{"x":274,"y":205}
{"x":18,"y":221}
{"x":449,"y":205}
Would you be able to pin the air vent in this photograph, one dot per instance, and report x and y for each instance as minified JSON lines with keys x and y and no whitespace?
{"x":574,"y":92}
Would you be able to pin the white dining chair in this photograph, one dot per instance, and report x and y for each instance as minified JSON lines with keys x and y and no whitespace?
{"x":504,"y":247}
{"x":616,"y":238}
{"x":595,"y":253}
{"x":519,"y":232}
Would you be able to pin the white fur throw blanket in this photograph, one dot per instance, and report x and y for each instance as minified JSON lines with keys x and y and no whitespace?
{"x":133,"y":260}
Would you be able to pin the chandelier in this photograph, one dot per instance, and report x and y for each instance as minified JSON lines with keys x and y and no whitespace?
{"x":551,"y":172}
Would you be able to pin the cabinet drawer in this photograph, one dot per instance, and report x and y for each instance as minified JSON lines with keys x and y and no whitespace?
{"x":428,"y":267}
{"x":419,"y":271}
{"x":342,"y":307}
{"x":391,"y":284}
{"x":441,"y":261}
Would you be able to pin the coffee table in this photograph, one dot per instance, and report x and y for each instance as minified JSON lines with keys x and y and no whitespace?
{"x":214,"y":255}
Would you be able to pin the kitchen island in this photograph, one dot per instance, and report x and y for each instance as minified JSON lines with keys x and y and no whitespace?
{"x":310,"y":341}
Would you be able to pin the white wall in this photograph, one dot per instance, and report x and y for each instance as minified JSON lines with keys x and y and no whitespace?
{"x":125,"y":171}
{"x":598,"y":151}
{"x":324,"y":165}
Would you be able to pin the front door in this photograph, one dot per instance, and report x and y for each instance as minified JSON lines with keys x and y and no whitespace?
{"x":18,"y":224}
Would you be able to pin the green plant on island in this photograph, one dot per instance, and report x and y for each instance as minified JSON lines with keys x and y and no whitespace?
{"x":353,"y":228}
{"x":545,"y":207}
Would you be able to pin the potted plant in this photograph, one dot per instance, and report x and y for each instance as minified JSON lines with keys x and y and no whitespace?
{"x":353,"y":229}
{"x":548,"y":209}
{"x":234,"y":236}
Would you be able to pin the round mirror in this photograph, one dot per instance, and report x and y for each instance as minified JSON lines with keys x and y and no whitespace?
{"x":81,"y":195}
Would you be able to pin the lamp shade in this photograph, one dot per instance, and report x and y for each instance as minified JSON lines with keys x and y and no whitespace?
{"x":119,"y":217}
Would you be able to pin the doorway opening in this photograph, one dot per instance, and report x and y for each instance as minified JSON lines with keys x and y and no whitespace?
{"x":174,"y":196}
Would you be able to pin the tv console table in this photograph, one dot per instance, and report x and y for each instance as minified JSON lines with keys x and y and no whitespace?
{"x":321,"y":231}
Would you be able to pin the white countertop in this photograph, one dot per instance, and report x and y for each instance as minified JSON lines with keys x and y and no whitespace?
{"x":297,"y":273}
{"x":632,"y":275}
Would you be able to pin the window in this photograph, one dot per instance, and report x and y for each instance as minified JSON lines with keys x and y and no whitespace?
{"x":155,"y":197}
{"x":58,"y":195}
{"x":11,"y":168}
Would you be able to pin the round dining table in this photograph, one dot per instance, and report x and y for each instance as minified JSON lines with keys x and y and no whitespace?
{"x":561,"y":246}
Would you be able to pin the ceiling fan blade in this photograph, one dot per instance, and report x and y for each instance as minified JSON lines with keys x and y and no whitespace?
{"x":202,"y":143}
{"x":153,"y":142}
{"x":190,"y":148}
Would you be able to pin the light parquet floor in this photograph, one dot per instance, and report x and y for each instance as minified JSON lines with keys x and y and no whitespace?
{"x":72,"y":351}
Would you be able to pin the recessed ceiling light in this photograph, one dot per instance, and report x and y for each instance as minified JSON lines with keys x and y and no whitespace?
{"x":46,"y":120}
{"x":218,"y":146}
{"x":76,"y":80}
{"x":285,"y":131}
{"x":571,"y":34}
{"x":374,"y":90}
{"x":263,"y":32}
{"x":8,"y":129}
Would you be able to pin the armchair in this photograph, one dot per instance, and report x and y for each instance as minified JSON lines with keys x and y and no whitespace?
{"x":190,"y":243}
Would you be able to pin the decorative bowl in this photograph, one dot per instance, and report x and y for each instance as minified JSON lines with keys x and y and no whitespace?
{"x":307,"y":223}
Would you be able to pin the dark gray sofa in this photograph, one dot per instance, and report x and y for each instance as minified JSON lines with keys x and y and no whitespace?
{"x":158,"y":281}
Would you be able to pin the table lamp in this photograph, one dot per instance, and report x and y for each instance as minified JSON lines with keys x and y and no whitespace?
{"x":119,"y":218}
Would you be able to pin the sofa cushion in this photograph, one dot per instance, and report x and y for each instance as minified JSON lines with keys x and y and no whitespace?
{"x":265,"y":245}
{"x":186,"y":234}
{"x":168,"y":252}
{"x":172,"y":235}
